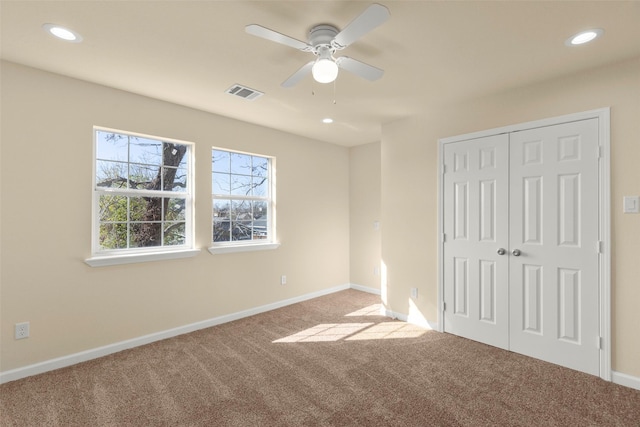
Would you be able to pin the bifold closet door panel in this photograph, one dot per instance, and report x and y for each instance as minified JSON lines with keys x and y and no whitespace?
{"x":476,"y":182}
{"x":554,"y":282}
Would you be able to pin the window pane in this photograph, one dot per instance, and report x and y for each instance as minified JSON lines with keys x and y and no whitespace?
{"x":260,"y":211}
{"x":179,"y":180}
{"x":260,"y":166}
{"x":240,"y":185}
{"x":112,"y":146}
{"x":241,"y":210}
{"x":260,"y":186}
{"x":222,"y":209}
{"x":137,"y":208}
{"x":145,"y":151}
{"x":221,"y":220}
{"x":240,"y":164}
{"x":184,"y":163}
{"x":145,"y":234}
{"x":221,"y":161}
{"x":241,"y":230}
{"x":174,"y":209}
{"x":112,"y":208}
{"x":111,"y":174}
{"x":172,"y":180}
{"x":221,"y":183}
{"x":174,"y":154}
{"x":142,"y":176}
{"x":168,"y":177}
{"x":260,"y":220}
{"x":174,"y":233}
{"x":145,"y":208}
{"x":113,"y":236}
{"x":221,"y":231}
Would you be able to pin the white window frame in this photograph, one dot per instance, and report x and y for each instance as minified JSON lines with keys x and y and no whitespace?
{"x":101,"y":257}
{"x":271,"y":241}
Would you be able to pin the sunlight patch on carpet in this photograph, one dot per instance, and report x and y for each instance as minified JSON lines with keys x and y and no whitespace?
{"x":388,"y":330}
{"x":372,"y":310}
{"x":325,"y":332}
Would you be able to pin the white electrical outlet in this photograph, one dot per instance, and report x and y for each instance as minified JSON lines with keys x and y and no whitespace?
{"x":414,"y":292}
{"x":283,"y":280}
{"x":631,"y":204}
{"x":22,"y":330}
{"x":376,"y":271}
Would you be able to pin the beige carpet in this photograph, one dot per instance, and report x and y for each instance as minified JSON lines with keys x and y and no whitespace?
{"x":331,"y":361}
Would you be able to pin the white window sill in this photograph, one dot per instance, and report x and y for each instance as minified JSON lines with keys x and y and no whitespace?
{"x":101,"y":261}
{"x":226,"y":249}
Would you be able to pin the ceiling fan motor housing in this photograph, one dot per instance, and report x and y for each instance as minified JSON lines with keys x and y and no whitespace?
{"x":322,"y":36}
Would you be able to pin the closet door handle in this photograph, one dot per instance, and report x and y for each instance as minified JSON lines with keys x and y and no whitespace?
{"x":516,"y":252}
{"x":502,"y":251}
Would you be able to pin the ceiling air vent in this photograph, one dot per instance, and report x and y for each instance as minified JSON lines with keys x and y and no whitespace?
{"x":244,"y":92}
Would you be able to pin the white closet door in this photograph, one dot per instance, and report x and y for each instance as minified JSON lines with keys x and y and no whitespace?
{"x":554,"y":226}
{"x":476,"y":227}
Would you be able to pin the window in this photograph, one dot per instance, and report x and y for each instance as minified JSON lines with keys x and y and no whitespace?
{"x":243,"y":200}
{"x":142,"y":194}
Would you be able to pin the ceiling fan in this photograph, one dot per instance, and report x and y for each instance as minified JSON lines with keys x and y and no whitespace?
{"x":324,"y":41}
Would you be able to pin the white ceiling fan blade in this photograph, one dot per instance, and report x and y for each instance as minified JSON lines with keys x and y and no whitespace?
{"x":274,"y":36}
{"x":358,"y":68}
{"x":298,"y":75}
{"x":373,"y":16}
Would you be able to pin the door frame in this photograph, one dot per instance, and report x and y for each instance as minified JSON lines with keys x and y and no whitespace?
{"x":604,"y":216}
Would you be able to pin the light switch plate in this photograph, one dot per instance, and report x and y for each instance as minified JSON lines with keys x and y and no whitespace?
{"x":631,"y":204}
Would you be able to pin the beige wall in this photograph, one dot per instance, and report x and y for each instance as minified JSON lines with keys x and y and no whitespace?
{"x":364,"y":191}
{"x":46,"y":221}
{"x":409,"y":187}
{"x":46,"y":152}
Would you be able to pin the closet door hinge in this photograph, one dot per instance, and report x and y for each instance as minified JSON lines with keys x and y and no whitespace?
{"x":600,"y":246}
{"x":443,"y":169}
{"x":444,"y":306}
{"x":444,"y":237}
{"x":600,"y":343}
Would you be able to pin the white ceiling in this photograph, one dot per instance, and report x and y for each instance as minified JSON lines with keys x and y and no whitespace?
{"x":434,"y":53}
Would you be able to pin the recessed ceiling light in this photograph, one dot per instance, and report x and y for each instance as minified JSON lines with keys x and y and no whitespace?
{"x":584,"y":37}
{"x":327,"y":120}
{"x":63,"y":33}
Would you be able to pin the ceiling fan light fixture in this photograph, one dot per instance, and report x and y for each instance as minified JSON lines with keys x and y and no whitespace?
{"x":325,"y":70}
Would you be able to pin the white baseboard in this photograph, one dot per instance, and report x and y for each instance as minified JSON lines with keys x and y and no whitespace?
{"x":365,"y":289}
{"x":394,"y":315}
{"x":409,"y":319}
{"x":625,"y":380}
{"x":84,"y":356}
